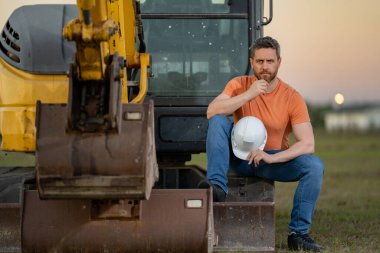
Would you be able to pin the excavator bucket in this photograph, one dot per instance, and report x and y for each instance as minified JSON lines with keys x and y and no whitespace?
{"x":101,"y":165}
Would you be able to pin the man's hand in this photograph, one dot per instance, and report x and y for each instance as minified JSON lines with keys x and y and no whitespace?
{"x":258,"y":87}
{"x":257,"y":155}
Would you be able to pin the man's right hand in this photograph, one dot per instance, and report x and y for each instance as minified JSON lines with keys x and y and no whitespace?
{"x":258,"y":87}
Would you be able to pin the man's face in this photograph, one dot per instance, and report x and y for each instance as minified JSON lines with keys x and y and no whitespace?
{"x":265,"y":64}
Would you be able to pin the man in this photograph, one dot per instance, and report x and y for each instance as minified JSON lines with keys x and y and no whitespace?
{"x":282,"y":110}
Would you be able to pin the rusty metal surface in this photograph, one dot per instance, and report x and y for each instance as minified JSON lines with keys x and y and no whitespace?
{"x":166,"y":224}
{"x":96,"y":165}
{"x":244,"y":227}
{"x":95,"y":105}
{"x":115,"y":209}
{"x":246,"y":221}
{"x":10,"y":228}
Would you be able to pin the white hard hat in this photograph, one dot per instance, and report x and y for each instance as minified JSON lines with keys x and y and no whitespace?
{"x":248,"y":134}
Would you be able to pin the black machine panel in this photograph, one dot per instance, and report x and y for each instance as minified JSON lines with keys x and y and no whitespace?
{"x":181,"y":129}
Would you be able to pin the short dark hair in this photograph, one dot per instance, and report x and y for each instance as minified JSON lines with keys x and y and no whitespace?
{"x":265,"y":42}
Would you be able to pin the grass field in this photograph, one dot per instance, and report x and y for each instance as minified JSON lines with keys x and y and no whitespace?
{"x":347,"y":218}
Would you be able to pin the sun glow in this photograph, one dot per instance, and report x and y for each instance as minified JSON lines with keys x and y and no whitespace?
{"x":339,"y":99}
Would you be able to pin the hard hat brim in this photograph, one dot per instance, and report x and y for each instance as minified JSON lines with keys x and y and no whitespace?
{"x":243,"y":155}
{"x":240,"y":154}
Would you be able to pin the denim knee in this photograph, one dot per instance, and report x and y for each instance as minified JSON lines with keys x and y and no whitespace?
{"x":219,"y":121}
{"x":317,"y":166}
{"x":312,"y":165}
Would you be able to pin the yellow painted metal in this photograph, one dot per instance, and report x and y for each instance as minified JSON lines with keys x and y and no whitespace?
{"x":94,"y":47}
{"x":19,"y":92}
{"x":85,"y":4}
{"x":87,"y":31}
{"x":144,"y":63}
{"x":20,"y":88}
{"x":132,"y":55}
{"x":114,"y":12}
{"x":17,"y":128}
{"x":101,"y":34}
{"x":92,"y":53}
{"x":95,"y":42}
{"x":117,"y":43}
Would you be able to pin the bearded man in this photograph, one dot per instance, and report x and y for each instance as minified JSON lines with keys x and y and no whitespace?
{"x":282,"y":110}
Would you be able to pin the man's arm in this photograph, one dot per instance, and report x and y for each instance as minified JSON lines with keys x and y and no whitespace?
{"x":304,"y":144}
{"x":226,"y":105}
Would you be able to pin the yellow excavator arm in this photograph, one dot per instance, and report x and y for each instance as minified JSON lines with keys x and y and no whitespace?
{"x":100,"y":31}
{"x":103,"y":28}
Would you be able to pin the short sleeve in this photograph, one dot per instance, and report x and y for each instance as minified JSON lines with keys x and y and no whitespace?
{"x":298,"y":110}
{"x":232,"y":87}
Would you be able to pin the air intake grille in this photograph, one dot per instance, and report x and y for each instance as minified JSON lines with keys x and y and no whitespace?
{"x":9,"y":39}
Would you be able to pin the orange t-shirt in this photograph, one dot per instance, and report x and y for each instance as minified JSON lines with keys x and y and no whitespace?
{"x":278,"y":110}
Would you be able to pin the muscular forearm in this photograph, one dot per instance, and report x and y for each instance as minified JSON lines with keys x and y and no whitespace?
{"x":297,"y":149}
{"x":227,"y":106}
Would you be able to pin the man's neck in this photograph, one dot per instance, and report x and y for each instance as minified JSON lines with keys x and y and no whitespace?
{"x":273,"y":85}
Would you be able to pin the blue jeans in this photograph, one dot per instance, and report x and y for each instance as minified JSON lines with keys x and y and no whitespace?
{"x":307,"y":169}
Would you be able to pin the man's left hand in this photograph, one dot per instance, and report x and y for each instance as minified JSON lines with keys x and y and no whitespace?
{"x":258,"y":155}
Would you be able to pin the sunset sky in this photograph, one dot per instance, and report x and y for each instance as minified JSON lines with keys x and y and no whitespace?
{"x":328,"y":46}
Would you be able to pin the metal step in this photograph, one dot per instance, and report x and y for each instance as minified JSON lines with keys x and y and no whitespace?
{"x":246,"y":221}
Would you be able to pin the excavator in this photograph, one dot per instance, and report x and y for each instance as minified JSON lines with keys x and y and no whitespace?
{"x":111,"y":154}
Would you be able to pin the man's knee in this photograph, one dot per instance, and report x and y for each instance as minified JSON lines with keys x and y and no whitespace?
{"x":312,"y":165}
{"x":219,"y":121}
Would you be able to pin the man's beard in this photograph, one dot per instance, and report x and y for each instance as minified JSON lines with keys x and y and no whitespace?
{"x":269,"y":77}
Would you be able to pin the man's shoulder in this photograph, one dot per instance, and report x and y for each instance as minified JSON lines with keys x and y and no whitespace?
{"x":291,"y":95}
{"x":287,"y":88}
{"x":241,"y":81}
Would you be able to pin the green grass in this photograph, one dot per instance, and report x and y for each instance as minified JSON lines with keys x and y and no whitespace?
{"x":16,"y":159}
{"x":12,"y":159}
{"x":347,"y":218}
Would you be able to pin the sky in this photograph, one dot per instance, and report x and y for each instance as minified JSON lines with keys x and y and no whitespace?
{"x":327,"y":46}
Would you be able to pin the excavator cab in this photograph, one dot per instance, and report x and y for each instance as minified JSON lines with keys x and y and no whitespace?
{"x":125,"y":186}
{"x":196,"y":48}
